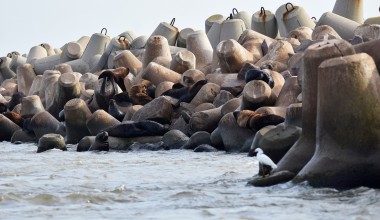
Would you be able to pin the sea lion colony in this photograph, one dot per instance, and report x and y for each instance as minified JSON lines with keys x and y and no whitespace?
{"x":243,"y":88}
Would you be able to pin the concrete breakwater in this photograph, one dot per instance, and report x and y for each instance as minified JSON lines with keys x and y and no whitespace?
{"x":304,"y":91}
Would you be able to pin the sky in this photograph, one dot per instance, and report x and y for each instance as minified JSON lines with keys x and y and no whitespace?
{"x":27,"y":23}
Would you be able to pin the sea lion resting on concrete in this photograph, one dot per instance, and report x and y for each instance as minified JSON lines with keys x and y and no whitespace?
{"x":22,"y":121}
{"x":122,"y":100}
{"x":142,"y":93}
{"x":137,"y":129}
{"x":184,"y":94}
{"x":255,"y":74}
{"x":255,"y":120}
{"x":15,"y":100}
{"x":100,"y":143}
{"x":116,"y":76}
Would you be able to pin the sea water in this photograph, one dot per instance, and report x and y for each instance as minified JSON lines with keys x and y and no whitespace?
{"x":176,"y":184}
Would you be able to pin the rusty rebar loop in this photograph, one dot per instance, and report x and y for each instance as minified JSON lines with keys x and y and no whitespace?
{"x":235,"y":11}
{"x":262,"y":11}
{"x":9,"y":55}
{"x":172,"y":22}
{"x":122,"y":37}
{"x":43,"y":45}
{"x":104,"y":29}
{"x":314,"y":18}
{"x":287,"y":4}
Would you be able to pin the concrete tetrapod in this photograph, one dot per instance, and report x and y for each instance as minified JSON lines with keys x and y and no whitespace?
{"x":76,"y":115}
{"x":351,"y":9}
{"x":348,"y":144}
{"x":303,"y":149}
{"x":156,"y":46}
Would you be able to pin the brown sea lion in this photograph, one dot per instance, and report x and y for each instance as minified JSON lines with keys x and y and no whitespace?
{"x":22,"y":121}
{"x":140,"y":94}
{"x":256,"y":121}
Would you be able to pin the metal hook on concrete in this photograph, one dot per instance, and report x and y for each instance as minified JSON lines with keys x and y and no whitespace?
{"x":104,"y":29}
{"x":314,"y":18}
{"x":262,"y":11}
{"x":235,"y":11}
{"x":287,"y":4}
{"x":9,"y":55}
{"x":122,"y":37}
{"x":172,"y":22}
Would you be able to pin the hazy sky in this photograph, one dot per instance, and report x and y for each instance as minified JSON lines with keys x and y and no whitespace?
{"x":26,"y":23}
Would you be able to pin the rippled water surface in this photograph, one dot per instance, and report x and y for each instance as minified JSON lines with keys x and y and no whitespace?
{"x":160,"y":185}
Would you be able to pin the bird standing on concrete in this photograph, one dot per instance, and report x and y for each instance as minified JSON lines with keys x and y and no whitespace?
{"x":266,"y":165}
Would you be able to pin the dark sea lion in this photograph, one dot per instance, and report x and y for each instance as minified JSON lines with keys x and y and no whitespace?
{"x":116,"y":76}
{"x":61,"y":115}
{"x":137,"y":129}
{"x":193,"y":91}
{"x":122,"y":99}
{"x":255,"y":74}
{"x":176,"y":91}
{"x":3,"y":108}
{"x":114,"y":111}
{"x":101,"y":142}
{"x":15,"y":100}
{"x":184,"y":94}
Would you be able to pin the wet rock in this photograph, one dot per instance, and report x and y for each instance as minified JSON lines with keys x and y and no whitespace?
{"x":205,"y":148}
{"x":51,"y":141}
{"x":277,"y":141}
{"x":273,"y":179}
{"x":174,"y":139}
{"x":232,"y":135}
{"x":21,"y":136}
{"x":198,"y":138}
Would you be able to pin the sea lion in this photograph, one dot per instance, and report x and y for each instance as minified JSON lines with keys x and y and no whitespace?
{"x":22,"y":121}
{"x":184,"y":94}
{"x":255,"y":74}
{"x":142,"y":93}
{"x":15,"y":100}
{"x":3,"y":108}
{"x":114,"y":111}
{"x":256,"y":121}
{"x":101,"y":142}
{"x":137,"y":129}
{"x":115,"y":76}
{"x":15,"y":117}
